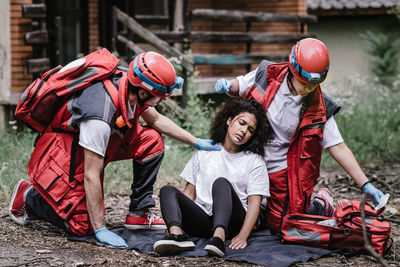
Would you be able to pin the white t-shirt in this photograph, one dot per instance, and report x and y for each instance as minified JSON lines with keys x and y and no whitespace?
{"x":283,"y":115}
{"x":94,"y":134}
{"x":246,"y":171}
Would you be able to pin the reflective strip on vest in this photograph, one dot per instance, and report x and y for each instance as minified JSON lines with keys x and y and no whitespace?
{"x":304,"y":235}
{"x":89,"y":72}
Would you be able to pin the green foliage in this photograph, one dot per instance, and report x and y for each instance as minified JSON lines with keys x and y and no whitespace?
{"x":383,"y":50}
{"x":397,"y":12}
{"x":15,"y":151}
{"x":369,"y":120}
{"x":199,"y":114}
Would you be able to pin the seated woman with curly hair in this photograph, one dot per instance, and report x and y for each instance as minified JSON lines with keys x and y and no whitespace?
{"x":224,"y":188}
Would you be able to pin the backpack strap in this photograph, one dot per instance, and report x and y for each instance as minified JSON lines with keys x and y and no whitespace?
{"x":112,"y":91}
{"x":72,"y":161}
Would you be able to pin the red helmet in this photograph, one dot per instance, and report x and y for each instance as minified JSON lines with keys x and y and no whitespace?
{"x":154,"y":73}
{"x":309,"y":61}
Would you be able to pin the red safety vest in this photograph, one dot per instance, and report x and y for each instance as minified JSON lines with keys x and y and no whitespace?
{"x":56,"y":167}
{"x":291,"y":188}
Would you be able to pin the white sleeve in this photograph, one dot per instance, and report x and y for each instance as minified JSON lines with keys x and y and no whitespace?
{"x":332,"y":134}
{"x":258,"y":181}
{"x":94,"y":135}
{"x":191,"y":169}
{"x":246,"y":81}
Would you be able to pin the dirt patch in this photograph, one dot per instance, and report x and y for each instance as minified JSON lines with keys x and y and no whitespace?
{"x":41,"y":244}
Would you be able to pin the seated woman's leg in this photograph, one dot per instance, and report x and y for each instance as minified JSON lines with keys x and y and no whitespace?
{"x":180,"y":214}
{"x":228,"y":215}
{"x":228,"y":211}
{"x":180,"y":211}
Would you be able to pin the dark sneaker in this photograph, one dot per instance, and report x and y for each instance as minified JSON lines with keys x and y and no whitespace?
{"x":17,"y":209}
{"x":173,"y":244}
{"x":147,"y":220}
{"x":215,"y":247}
{"x":326,"y":196}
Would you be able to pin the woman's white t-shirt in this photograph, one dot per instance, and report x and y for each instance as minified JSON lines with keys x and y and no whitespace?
{"x":246,"y":171}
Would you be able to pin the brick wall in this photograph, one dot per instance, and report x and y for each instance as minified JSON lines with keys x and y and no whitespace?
{"x":20,"y":78}
{"x":275,"y":6}
{"x":93,"y":25}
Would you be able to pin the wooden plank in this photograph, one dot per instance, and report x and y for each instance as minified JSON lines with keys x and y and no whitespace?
{"x":150,"y":37}
{"x":168,"y":37}
{"x":228,"y":59}
{"x":235,"y":15}
{"x":131,"y":45}
{"x":230,"y":37}
{"x":36,"y":37}
{"x":246,"y":37}
{"x":38,"y":65}
{"x":34,"y":11}
{"x":203,"y":86}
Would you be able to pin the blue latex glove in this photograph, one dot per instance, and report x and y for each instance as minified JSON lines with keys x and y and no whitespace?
{"x":107,"y":237}
{"x":206,"y":144}
{"x":372,"y":192}
{"x":222,"y":86}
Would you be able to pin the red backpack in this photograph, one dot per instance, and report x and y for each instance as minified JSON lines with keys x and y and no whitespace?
{"x":42,"y":99}
{"x":348,"y":215}
{"x":342,"y":231}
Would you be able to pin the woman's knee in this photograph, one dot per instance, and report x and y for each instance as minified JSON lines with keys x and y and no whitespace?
{"x":221,"y":183}
{"x":167,"y":191}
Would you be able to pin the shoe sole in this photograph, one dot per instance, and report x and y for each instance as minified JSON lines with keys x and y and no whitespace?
{"x":214,"y":250}
{"x":142,"y":227}
{"x":170,"y":247}
{"x":10,"y":213}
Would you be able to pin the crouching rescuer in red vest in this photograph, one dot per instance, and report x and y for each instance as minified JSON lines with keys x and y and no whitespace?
{"x":66,"y":168}
{"x":301,"y":116}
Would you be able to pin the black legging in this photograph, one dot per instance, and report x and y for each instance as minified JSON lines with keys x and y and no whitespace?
{"x":179,"y":210}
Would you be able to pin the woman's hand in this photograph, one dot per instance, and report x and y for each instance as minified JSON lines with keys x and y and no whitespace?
{"x":238,"y":242}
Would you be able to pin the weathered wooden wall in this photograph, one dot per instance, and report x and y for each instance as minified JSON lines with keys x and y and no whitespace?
{"x":276,"y":6}
{"x":20,"y":53}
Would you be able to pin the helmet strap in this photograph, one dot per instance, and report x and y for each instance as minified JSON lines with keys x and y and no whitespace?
{"x":292,"y":89}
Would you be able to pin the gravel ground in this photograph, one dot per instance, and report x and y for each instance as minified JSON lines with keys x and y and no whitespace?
{"x":41,"y":244}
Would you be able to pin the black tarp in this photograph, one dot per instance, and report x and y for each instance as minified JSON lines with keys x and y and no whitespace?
{"x":263,"y":248}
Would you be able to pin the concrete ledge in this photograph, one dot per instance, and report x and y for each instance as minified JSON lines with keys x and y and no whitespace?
{"x":4,"y":117}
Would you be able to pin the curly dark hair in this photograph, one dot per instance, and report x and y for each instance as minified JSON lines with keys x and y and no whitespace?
{"x":262,"y":134}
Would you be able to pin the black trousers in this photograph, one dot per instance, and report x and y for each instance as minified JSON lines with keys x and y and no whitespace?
{"x":316,"y":208}
{"x":179,"y":210}
{"x":38,"y":208}
{"x":144,"y":177}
